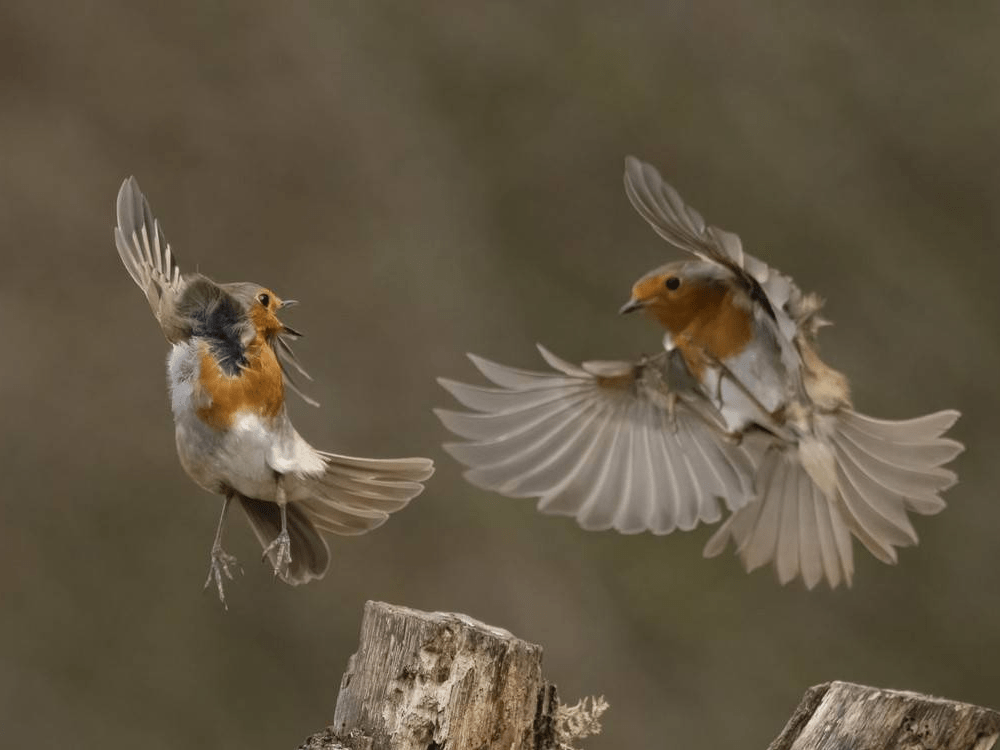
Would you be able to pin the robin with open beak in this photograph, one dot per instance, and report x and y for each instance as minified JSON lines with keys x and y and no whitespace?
{"x":229,"y":365}
{"x":738,"y":407}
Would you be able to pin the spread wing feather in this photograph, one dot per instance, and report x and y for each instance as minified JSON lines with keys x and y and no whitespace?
{"x":600,"y":442}
{"x":676,"y":222}
{"x":287,"y":361}
{"x":148,"y":258}
{"x":683,"y":227}
{"x":175,"y":302}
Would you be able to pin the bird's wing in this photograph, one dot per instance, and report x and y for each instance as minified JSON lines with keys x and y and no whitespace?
{"x":682,"y":226}
{"x":148,"y":259}
{"x":629,"y":446}
{"x":674,"y":220}
{"x":288,"y":362}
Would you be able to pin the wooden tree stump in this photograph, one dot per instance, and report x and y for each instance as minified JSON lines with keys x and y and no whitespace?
{"x":424,"y":681}
{"x":841,"y":715}
{"x":443,"y":681}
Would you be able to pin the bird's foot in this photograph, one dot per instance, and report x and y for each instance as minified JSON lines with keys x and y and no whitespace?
{"x":222,"y":564}
{"x":672,"y":399}
{"x":282,"y":547}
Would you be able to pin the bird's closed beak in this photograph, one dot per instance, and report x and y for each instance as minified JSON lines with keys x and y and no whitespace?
{"x":288,"y":303}
{"x":632,"y":305}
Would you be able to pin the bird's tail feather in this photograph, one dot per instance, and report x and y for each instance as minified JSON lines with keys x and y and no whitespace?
{"x":310,"y":555}
{"x":352,"y":496}
{"x":860,"y":476}
{"x":355,"y":495}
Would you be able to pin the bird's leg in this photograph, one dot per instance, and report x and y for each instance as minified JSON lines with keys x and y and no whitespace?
{"x":221,"y":562}
{"x":282,"y":544}
{"x":672,"y":399}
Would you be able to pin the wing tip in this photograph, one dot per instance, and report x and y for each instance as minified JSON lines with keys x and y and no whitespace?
{"x":451,"y":385}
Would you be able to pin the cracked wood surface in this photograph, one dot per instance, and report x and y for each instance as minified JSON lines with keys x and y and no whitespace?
{"x":842,"y":715}
{"x":423,"y":681}
{"x":443,"y":681}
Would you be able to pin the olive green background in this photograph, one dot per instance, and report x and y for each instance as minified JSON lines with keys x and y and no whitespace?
{"x":430,"y":179}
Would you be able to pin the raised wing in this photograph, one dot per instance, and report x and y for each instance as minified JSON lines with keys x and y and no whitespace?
{"x":674,"y":220}
{"x":682,"y":226}
{"x":618,"y":445}
{"x":148,"y":259}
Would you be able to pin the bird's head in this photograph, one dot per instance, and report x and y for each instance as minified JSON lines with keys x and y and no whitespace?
{"x":262,"y":306}
{"x":677,"y":293}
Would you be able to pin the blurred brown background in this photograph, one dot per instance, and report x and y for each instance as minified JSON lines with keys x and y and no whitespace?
{"x":443,"y":178}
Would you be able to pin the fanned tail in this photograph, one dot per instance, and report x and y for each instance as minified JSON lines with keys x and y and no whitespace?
{"x":352,"y":496}
{"x":876,"y":471}
{"x":356,"y":495}
{"x":310,"y":555}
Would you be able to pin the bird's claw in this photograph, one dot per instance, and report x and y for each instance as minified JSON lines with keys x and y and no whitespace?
{"x":282,"y":545}
{"x":222,"y":563}
{"x":672,"y":399}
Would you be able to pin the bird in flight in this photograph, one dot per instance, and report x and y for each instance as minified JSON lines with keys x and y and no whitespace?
{"x":229,"y":366}
{"x":737,"y":407}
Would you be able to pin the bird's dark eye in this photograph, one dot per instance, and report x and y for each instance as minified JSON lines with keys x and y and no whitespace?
{"x":264,"y":299}
{"x":673,"y":282}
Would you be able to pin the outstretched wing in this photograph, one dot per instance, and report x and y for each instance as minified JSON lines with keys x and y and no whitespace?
{"x":629,"y":446}
{"x":148,"y":259}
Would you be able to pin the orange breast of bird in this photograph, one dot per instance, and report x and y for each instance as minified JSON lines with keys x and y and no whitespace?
{"x":706,"y":323}
{"x":257,"y":388}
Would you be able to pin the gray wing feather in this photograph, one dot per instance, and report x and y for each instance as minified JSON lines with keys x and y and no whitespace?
{"x":288,"y":362}
{"x":597,"y":442}
{"x":148,"y":258}
{"x":676,"y":222}
{"x":605,"y":494}
{"x":664,"y":463}
{"x":636,"y":513}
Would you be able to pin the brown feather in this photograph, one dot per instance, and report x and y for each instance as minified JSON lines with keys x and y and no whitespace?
{"x":703,"y":318}
{"x":257,"y":388}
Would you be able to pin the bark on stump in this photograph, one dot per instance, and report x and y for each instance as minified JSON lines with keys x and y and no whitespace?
{"x":423,"y":681}
{"x":840,"y":715}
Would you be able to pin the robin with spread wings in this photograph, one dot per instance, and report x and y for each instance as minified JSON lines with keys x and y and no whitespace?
{"x":738,"y":407}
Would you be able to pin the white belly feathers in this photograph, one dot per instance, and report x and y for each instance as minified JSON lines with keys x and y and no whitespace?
{"x":249,"y":456}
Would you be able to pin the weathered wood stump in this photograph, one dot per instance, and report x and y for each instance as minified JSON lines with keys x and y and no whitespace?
{"x":443,"y":681}
{"x":421,"y":681}
{"x":841,"y":715}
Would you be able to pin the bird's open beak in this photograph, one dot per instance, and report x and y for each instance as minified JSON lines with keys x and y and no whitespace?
{"x":631,"y":306}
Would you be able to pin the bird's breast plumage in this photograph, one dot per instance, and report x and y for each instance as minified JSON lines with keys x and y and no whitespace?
{"x":233,"y":431}
{"x":257,"y":387}
{"x":713,"y":326}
